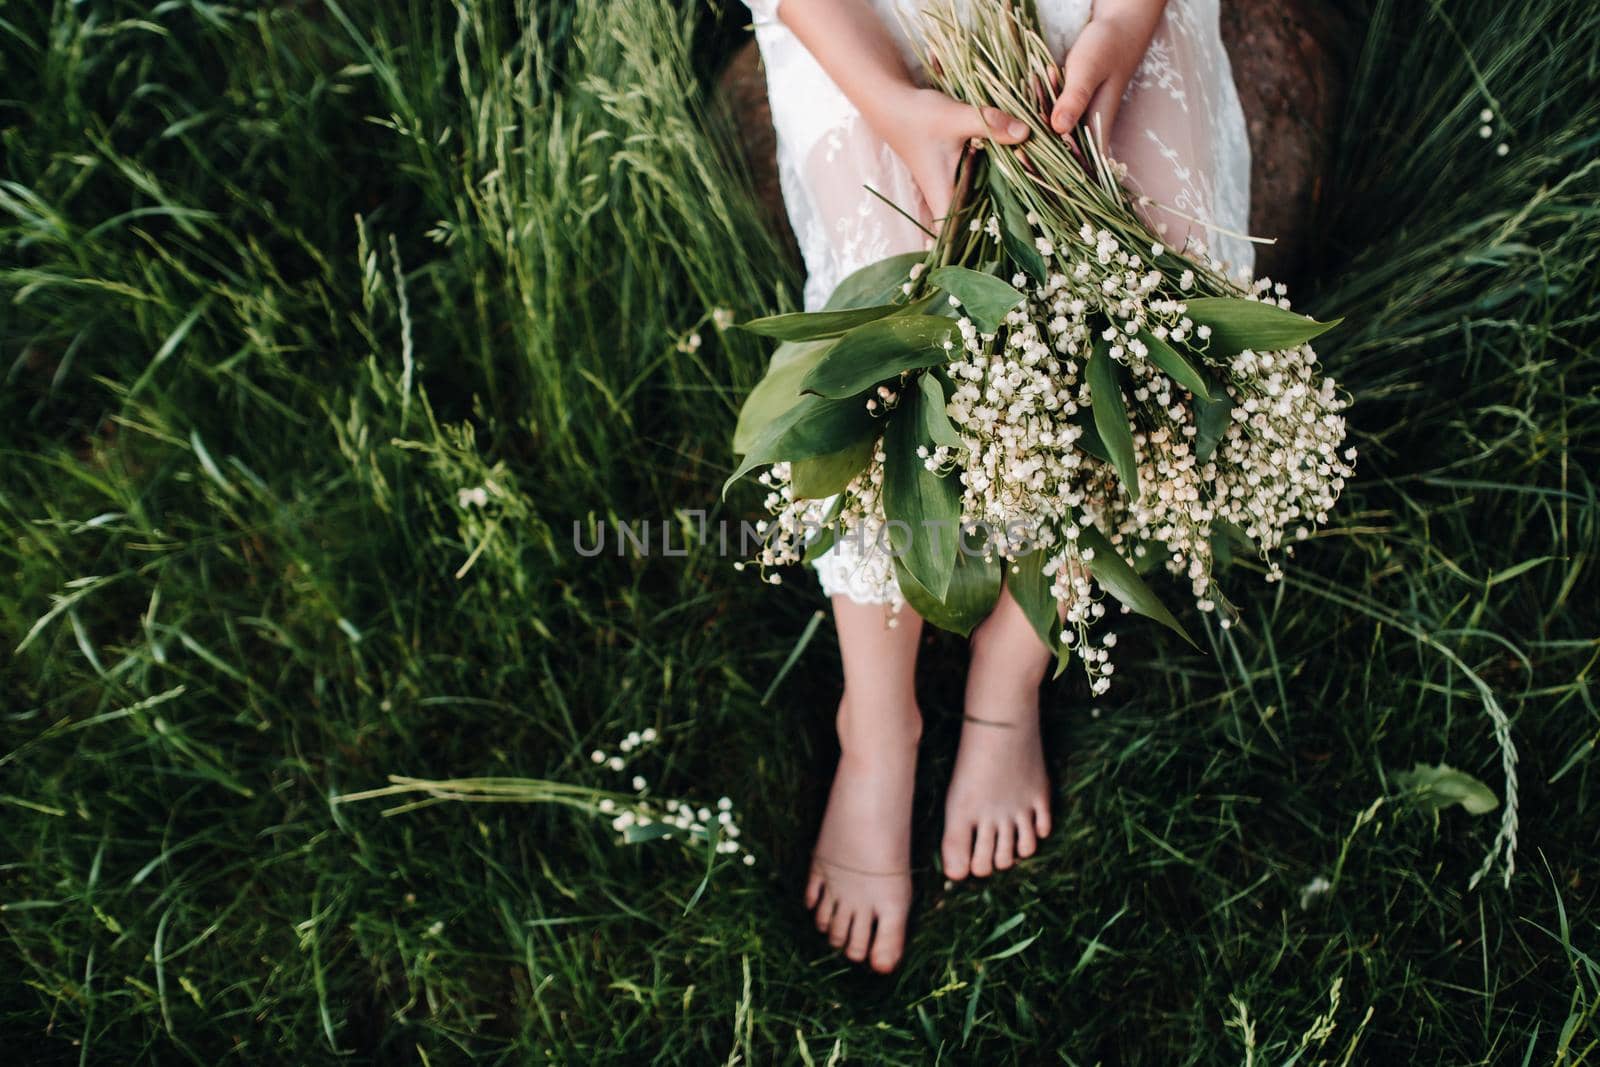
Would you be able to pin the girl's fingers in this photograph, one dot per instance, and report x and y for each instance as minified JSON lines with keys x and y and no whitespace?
{"x":1082,"y":77}
{"x":1103,"y":107}
{"x":997,"y":126}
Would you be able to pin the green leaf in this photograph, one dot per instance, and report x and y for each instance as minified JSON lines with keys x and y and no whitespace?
{"x":825,"y":537}
{"x":1004,"y":928}
{"x":1225,"y":536}
{"x":811,"y":325}
{"x":1155,"y":556}
{"x":1090,"y":440}
{"x":1030,"y":588}
{"x":1517,"y":570}
{"x":1172,"y":363}
{"x":1063,"y":657}
{"x":814,"y":427}
{"x":1014,"y":949}
{"x":869,"y":354}
{"x":985,"y":298}
{"x":1111,"y":416}
{"x":778,"y":391}
{"x":1015,"y":233}
{"x":974,"y":588}
{"x":929,"y":504}
{"x":820,"y":477}
{"x":1211,"y":419}
{"x":863,"y":296}
{"x":936,"y":425}
{"x":876,"y":283}
{"x":1221,"y":550}
{"x":1119,"y":579}
{"x":1237,"y":324}
{"x":1442,"y":786}
{"x":635,"y":834}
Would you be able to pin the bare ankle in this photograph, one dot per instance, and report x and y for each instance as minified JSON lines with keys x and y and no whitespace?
{"x":869,"y":722}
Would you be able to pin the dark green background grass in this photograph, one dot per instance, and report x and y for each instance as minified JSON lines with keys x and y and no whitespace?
{"x":278,"y":281}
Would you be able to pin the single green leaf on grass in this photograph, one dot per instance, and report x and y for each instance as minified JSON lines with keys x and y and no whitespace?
{"x":1111,"y":415}
{"x":936,"y":425}
{"x":1030,"y":588}
{"x":1211,"y":420}
{"x":816,"y":426}
{"x":778,"y":391}
{"x":974,"y":588}
{"x":1015,"y":233}
{"x":820,"y":477}
{"x":1174,"y":365}
{"x":1237,"y":324}
{"x":869,"y":354}
{"x":876,"y":283}
{"x":985,"y":298}
{"x":928,"y":504}
{"x":812,"y":325}
{"x":1119,"y":579}
{"x":1440,"y":787}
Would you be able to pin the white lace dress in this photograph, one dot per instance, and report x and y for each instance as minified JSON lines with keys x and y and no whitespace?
{"x":1180,"y":130}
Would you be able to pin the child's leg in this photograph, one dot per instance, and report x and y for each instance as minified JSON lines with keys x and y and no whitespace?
{"x":1180,"y":132}
{"x":861,"y":871}
{"x":998,"y":805}
{"x":860,"y":879}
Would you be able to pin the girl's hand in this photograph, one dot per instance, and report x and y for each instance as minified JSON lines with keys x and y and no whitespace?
{"x":1101,"y":63}
{"x":925,"y":128}
{"x":929,"y":131}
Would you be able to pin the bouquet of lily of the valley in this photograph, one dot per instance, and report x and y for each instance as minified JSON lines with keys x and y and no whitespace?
{"x":1048,"y":397}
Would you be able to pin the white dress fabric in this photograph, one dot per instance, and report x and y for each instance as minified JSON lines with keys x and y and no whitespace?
{"x":1180,"y":130}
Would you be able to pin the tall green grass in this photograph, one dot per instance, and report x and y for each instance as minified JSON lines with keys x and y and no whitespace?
{"x":278,"y":283}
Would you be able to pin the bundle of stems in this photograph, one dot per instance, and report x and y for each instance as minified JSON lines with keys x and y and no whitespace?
{"x":990,"y":53}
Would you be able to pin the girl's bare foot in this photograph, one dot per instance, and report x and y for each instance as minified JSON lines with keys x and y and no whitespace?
{"x":860,"y":881}
{"x":998,"y":805}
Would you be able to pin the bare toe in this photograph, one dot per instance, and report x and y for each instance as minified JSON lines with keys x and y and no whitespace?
{"x":1041,"y":817}
{"x":1027,"y":841}
{"x":956,"y":850}
{"x":839,"y":931}
{"x":983,"y":851}
{"x":814,"y":888}
{"x":1005,"y":845}
{"x":860,"y":937}
{"x":825,"y":909}
{"x":889,"y":941}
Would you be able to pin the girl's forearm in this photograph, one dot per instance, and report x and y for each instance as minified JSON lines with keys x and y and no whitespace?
{"x":854,"y":48}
